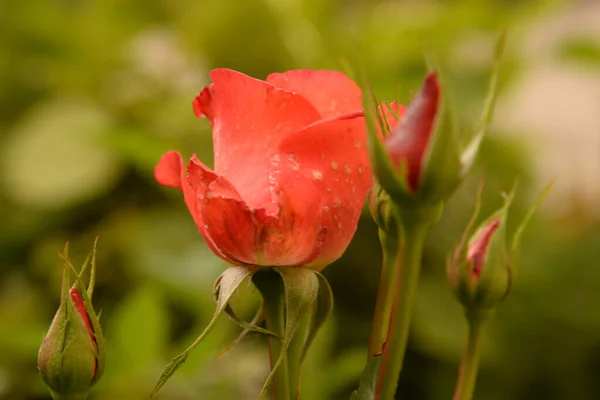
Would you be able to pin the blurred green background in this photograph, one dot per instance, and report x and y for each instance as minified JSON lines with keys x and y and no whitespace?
{"x":93,"y":92}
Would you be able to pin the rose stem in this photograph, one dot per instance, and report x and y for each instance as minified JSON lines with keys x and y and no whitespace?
{"x":412,"y":239}
{"x":470,"y":360}
{"x":385,"y":293}
{"x":274,"y":306}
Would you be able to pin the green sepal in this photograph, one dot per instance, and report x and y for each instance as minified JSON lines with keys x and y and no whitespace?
{"x":442,"y":168}
{"x":226,"y":285}
{"x":368,"y":381}
{"x":383,"y":210}
{"x":393,"y":180}
{"x":86,"y":295}
{"x":249,"y":326}
{"x":453,"y":262}
{"x":301,"y":288}
{"x":472,"y":142}
{"x":258,"y":318}
{"x":516,"y":240}
{"x":321,"y":310}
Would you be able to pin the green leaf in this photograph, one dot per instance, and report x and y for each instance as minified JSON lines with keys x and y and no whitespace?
{"x":322,"y":308}
{"x":226,"y":285}
{"x":368,"y":381}
{"x":301,"y":288}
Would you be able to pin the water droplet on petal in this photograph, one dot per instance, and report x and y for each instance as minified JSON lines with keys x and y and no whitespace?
{"x":347,"y":169}
{"x":318,"y":175}
{"x":361,"y":169}
{"x":358,"y":143}
{"x":334,"y":165}
{"x":294,"y":164}
{"x":326,"y":209}
{"x":275,"y":160}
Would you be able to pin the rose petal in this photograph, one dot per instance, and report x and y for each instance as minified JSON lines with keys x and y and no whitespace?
{"x":226,"y":219}
{"x":408,"y":142}
{"x":250,"y":117}
{"x":331,"y":181}
{"x":478,"y":247}
{"x":170,"y":172}
{"x":330,"y":92}
{"x":294,"y":237}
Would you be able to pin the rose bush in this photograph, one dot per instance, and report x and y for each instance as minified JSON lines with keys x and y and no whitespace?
{"x":291,"y":169}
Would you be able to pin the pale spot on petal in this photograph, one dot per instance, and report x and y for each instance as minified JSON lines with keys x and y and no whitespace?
{"x":294,"y":164}
{"x":275,"y":160}
{"x":318,"y":175}
{"x":334,"y":165}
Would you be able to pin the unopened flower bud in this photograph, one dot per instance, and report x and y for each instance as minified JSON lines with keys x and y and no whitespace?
{"x":72,"y":355}
{"x":422,"y":160}
{"x":481,"y":269}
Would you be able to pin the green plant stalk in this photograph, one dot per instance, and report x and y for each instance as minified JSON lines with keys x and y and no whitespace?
{"x":274,"y":306}
{"x":70,"y":396}
{"x":385,"y":293}
{"x":469,"y":366}
{"x":412,"y":240}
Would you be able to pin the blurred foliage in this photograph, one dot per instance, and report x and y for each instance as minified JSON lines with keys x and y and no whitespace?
{"x":93,"y":92}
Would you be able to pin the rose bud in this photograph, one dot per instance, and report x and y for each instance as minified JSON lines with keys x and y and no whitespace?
{"x":291,"y":170}
{"x":481,"y":269}
{"x":72,"y":355}
{"x":422,"y":160}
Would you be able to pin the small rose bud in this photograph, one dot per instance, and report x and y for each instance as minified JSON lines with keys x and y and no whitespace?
{"x":481,"y":269}
{"x":71,"y":358}
{"x":480,"y":272}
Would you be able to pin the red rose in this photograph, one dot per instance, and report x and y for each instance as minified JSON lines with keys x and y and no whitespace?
{"x":291,"y":169}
